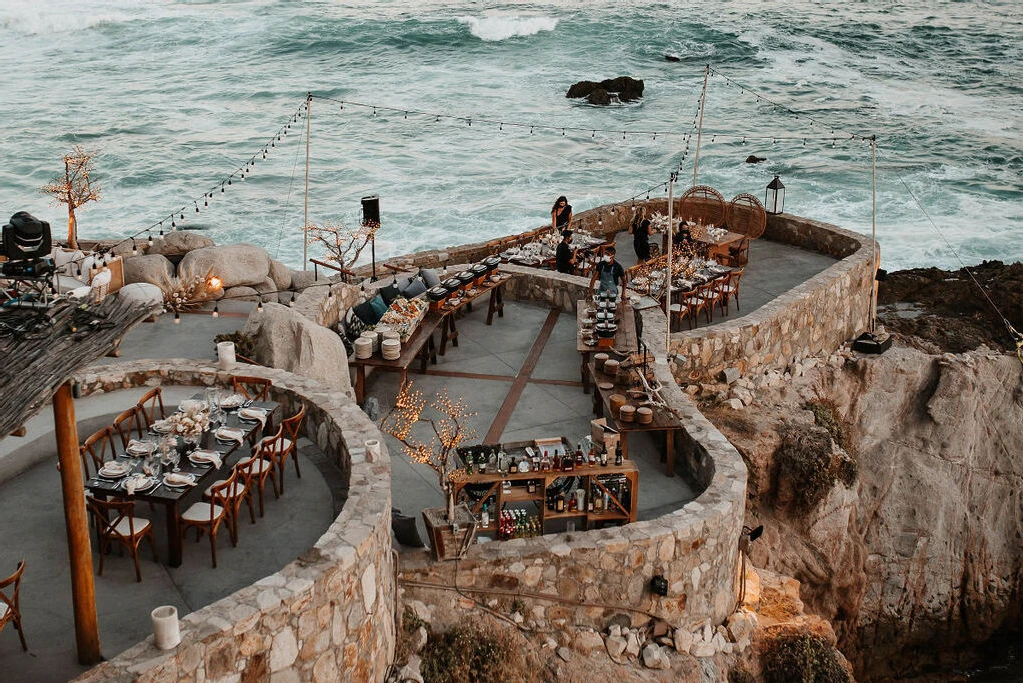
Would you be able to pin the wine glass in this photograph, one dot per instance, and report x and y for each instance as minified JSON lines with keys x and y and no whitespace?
{"x":174,"y":457}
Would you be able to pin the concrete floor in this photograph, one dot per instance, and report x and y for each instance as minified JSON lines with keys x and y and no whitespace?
{"x":551,"y":404}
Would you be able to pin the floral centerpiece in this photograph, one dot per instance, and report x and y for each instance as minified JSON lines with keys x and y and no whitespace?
{"x":190,"y":422}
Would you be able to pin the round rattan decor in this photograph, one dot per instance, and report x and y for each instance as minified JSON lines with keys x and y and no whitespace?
{"x":702,"y":204}
{"x":746,"y":215}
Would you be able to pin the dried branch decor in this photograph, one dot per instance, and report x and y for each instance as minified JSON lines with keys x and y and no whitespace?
{"x":344,"y":244}
{"x":449,"y":427}
{"x":74,"y":188}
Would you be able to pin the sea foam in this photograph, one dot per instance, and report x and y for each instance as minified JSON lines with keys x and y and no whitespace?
{"x":502,"y":27}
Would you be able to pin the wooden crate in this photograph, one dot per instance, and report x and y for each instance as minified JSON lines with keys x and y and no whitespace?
{"x":446,"y":544}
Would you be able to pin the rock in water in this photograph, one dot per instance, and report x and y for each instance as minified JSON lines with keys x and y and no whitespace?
{"x":626,"y":88}
{"x":754,"y":159}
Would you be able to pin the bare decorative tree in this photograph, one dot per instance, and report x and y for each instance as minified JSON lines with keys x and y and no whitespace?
{"x":344,"y":244}
{"x":74,"y":188}
{"x":450,"y":429}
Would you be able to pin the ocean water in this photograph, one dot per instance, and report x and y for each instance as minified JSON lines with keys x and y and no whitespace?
{"x":175,"y":96}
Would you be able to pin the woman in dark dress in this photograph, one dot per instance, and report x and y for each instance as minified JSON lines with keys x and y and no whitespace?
{"x":640,"y":230}
{"x":565,"y":256}
{"x":561,"y":215}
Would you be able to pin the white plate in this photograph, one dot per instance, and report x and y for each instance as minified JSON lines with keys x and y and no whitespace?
{"x":202,"y":457}
{"x":114,"y":470}
{"x":253,"y":414}
{"x":229,"y":434}
{"x":161,"y":427}
{"x":232,"y":401}
{"x":145,"y":483}
{"x":141,"y":448}
{"x":176,"y":480}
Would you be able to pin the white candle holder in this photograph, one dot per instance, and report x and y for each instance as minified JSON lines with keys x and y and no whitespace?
{"x":373,"y":449}
{"x":225,"y":355}
{"x":166,"y":631}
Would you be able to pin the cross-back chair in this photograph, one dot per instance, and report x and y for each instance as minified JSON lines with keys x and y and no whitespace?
{"x":130,"y":424}
{"x":266,"y":454}
{"x":116,"y":523}
{"x":96,"y":450}
{"x":10,"y":603}
{"x":254,"y":388}
{"x":730,"y":290}
{"x":237,"y":494}
{"x":151,"y":406}
{"x":207,"y":516}
{"x":289,"y":445}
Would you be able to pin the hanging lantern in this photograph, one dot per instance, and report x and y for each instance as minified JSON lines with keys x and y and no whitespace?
{"x":774,"y":200}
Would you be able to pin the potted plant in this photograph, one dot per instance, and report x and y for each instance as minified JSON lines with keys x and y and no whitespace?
{"x":446,"y":424}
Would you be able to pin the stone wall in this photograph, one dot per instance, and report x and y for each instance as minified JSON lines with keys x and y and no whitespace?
{"x":584,"y":577}
{"x":813,"y":318}
{"x":327,"y":616}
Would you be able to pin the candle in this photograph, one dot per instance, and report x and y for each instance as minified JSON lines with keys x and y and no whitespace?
{"x":165,"y":627}
{"x":225,"y":355}
{"x":372,"y":450}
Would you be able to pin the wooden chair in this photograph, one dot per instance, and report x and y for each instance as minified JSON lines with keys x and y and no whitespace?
{"x":266,"y":454}
{"x":681,"y":307}
{"x":738,"y":255}
{"x":207,"y":516}
{"x":129,"y":424}
{"x":97,"y":449}
{"x":10,"y":606}
{"x":289,"y":445}
{"x":702,"y":299}
{"x":124,"y":528}
{"x":151,"y":406}
{"x":240,"y":492}
{"x":254,"y":388}
{"x":730,"y":290}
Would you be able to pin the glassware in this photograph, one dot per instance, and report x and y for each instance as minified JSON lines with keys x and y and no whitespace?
{"x":175,"y":459}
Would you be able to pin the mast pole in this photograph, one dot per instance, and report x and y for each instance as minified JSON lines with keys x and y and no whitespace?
{"x":873,"y":232}
{"x":671,"y":232}
{"x":305,"y":224}
{"x":699,"y":130}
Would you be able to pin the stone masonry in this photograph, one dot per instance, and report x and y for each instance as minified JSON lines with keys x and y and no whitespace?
{"x":327,"y":616}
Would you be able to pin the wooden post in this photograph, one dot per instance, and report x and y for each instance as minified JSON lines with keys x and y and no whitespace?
{"x":83,"y":590}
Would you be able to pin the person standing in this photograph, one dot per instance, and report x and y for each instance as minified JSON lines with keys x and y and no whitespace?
{"x":610,"y":273}
{"x":561,"y":214}
{"x":565,"y":257}
{"x":640,"y":231}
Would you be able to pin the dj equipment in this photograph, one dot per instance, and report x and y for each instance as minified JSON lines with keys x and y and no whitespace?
{"x":26,"y":237}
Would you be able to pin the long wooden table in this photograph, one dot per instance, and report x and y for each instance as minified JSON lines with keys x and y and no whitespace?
{"x":664,"y":420}
{"x":449,"y":331}
{"x":625,"y":340}
{"x":420,"y":345}
{"x":175,"y":500}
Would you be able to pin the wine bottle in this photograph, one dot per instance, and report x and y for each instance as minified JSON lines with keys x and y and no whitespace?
{"x":485,"y":516}
{"x":603,"y":458}
{"x":618,"y":455}
{"x":559,"y":504}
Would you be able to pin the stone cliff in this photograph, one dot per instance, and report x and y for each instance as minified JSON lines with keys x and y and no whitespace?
{"x":920,"y":555}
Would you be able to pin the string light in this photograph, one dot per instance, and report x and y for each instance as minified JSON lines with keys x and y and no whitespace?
{"x":177,"y":318}
{"x":259,"y":306}
{"x":216,"y":311}
{"x":134,"y":247}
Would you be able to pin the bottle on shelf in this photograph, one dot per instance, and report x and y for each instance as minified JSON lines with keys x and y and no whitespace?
{"x":603,"y":458}
{"x":524,"y":465}
{"x":481,"y":462}
{"x":512,"y":465}
{"x":492,"y":461}
{"x":618,"y":455}
{"x":572,"y":504}
{"x":567,"y":463}
{"x":502,"y":461}
{"x":485,"y":516}
{"x":531,"y":486}
{"x":545,"y":464}
{"x":559,"y":502}
{"x":470,"y":462}
{"x":579,"y":459}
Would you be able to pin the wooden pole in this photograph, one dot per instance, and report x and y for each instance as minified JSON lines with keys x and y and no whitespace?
{"x":305,"y":227}
{"x":83,"y":590}
{"x":699,"y":131}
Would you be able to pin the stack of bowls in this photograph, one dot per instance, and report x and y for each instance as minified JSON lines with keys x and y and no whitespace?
{"x":611,"y":369}
{"x":627,"y":413}
{"x":373,"y":338}
{"x":598,"y":361}
{"x":363,"y":348}
{"x":616,"y":401}
{"x":390,"y":349}
{"x":644,"y":415}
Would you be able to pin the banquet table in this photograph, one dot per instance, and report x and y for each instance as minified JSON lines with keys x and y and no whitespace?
{"x":175,"y":500}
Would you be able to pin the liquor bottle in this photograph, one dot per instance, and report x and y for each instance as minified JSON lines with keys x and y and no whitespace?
{"x":572,"y":504}
{"x":579,"y":459}
{"x":545,"y":464}
{"x":502,"y":461}
{"x":556,"y":463}
{"x":492,"y":461}
{"x":470,"y":462}
{"x":603,"y":458}
{"x":559,"y":505}
{"x":531,"y":486}
{"x":567,"y":463}
{"x":481,"y":462}
{"x":591,"y":459}
{"x":524,"y":465}
{"x":512,"y":465}
{"x":618,"y":455}
{"x":485,"y":516}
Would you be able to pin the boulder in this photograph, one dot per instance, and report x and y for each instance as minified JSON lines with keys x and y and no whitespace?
{"x":280,"y":274}
{"x":179,"y":243}
{"x":627,"y":89}
{"x":588,"y":641}
{"x":288,"y":340}
{"x":154,"y":269}
{"x":616,"y":647}
{"x":754,"y":159}
{"x":303,"y":279}
{"x":632,"y":645}
{"x":268,"y":289}
{"x":654,"y":657}
{"x":142,"y":292}
{"x":241,"y":294}
{"x":234,"y":264}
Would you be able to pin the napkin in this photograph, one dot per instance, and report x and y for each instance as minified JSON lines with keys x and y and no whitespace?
{"x":135,"y":482}
{"x":232,"y":401}
{"x":254,"y":414}
{"x":177,"y":479}
{"x":136,"y":446}
{"x":230,"y":434}
{"x":208,"y":456}
{"x":113,"y":469}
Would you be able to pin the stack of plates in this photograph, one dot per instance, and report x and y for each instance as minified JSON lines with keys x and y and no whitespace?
{"x":389,"y":334}
{"x":374,"y":340}
{"x":363,"y":348}
{"x":390,"y":349}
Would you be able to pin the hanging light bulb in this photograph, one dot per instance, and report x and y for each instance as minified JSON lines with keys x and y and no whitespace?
{"x":174,"y":226}
{"x":134,"y":247}
{"x":259,"y":306}
{"x":228,"y":181}
{"x":216,"y":311}
{"x":243,"y":176}
{"x":177,"y":318}
{"x":150,"y":241}
{"x":206,"y":200}
{"x":264,"y":152}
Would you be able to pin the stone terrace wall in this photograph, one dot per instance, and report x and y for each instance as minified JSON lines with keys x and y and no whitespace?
{"x":327,"y":616}
{"x":815,"y":317}
{"x":590,"y":575}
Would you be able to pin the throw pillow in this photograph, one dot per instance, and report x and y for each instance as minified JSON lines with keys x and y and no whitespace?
{"x":414,"y":288}
{"x":389,"y":294}
{"x":379,"y":307}
{"x":430,"y":276}
{"x":354,"y":328}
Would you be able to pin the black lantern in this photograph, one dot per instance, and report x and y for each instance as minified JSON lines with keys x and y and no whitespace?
{"x":774,"y":200}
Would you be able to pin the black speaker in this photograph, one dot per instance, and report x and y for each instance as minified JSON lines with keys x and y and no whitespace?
{"x":26,"y":237}
{"x":371,"y":210}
